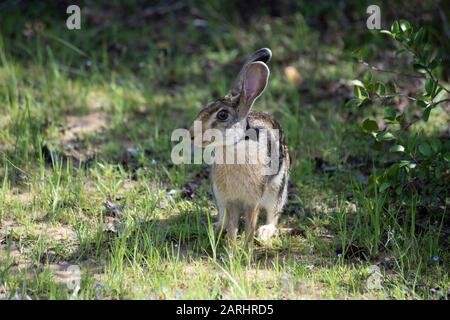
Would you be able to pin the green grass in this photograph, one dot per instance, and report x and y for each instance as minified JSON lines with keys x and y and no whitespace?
{"x":71,"y":103}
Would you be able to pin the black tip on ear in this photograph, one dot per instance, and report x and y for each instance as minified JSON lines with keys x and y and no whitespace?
{"x":263,"y":55}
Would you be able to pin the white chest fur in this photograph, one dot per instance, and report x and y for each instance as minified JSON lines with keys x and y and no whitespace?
{"x":241,"y":176}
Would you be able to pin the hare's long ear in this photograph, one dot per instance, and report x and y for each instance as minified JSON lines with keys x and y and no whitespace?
{"x":263,"y":55}
{"x":254,"y":82}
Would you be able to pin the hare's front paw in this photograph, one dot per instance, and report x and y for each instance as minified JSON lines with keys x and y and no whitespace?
{"x":266,"y":232}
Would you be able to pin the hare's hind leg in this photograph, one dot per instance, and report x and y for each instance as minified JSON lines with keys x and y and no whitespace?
{"x":232,"y":220}
{"x":221,"y":223}
{"x":273,"y":204}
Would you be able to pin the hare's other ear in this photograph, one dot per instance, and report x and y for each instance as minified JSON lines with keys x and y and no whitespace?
{"x":263,"y":55}
{"x":254,"y":83}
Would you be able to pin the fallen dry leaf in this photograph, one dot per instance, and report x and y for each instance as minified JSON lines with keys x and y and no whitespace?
{"x":293,"y":75}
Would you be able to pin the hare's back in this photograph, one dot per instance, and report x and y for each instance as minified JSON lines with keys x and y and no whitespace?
{"x":262,"y":120}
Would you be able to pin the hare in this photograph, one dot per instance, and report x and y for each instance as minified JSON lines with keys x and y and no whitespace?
{"x":246,"y":187}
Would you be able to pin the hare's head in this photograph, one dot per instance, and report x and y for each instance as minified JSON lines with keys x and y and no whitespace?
{"x":227,"y":117}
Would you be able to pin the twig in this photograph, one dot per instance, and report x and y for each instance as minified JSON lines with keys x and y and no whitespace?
{"x":390,"y":71}
{"x":398,"y":95}
{"x":438,"y":102}
{"x":432,"y":105}
{"x":411,"y":123}
{"x":434,"y":79}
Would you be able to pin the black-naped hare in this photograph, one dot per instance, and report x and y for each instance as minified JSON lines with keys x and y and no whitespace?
{"x":259,"y":181}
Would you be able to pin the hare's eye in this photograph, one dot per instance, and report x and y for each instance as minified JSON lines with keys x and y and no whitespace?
{"x":222,"y":115}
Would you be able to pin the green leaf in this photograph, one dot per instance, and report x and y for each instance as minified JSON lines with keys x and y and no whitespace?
{"x":389,"y":113}
{"x":358,"y":83}
{"x":433,"y":64}
{"x":420,"y":68}
{"x":407,"y":164}
{"x":370,"y":125}
{"x":405,"y":26}
{"x":384,"y":186}
{"x":412,"y":139}
{"x":393,"y":172}
{"x":353,"y":103}
{"x":357,"y":92}
{"x":421,"y":103}
{"x":395,"y":27}
{"x":397,"y":148}
{"x":380,"y":89}
{"x":401,"y":38}
{"x":437,"y":90}
{"x":385,"y":136}
{"x":360,"y":92}
{"x":426,"y":53}
{"x":412,"y":165}
{"x":426,"y":113}
{"x":367,"y":77}
{"x":419,"y":37}
{"x":435,"y":145}
{"x":429,"y":86}
{"x":425,"y":149}
{"x":365,"y":101}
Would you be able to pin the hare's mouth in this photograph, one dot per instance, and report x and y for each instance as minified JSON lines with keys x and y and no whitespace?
{"x":218,"y":138}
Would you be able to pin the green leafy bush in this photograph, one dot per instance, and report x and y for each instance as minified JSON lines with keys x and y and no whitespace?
{"x":421,"y":162}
